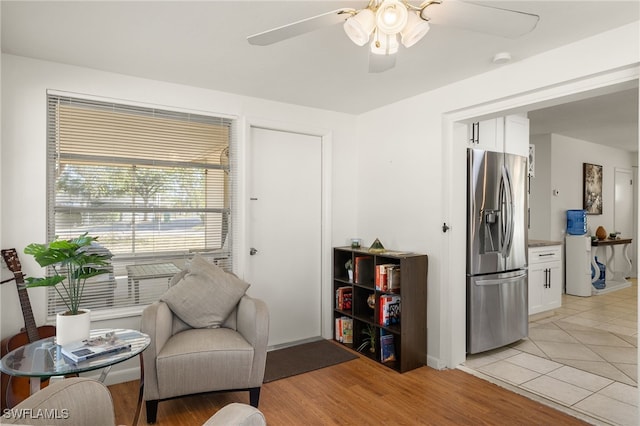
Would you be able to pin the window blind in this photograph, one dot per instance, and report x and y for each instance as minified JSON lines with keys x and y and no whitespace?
{"x":155,"y":186}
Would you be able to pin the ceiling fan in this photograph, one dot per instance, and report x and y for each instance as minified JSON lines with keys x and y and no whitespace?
{"x":384,"y":21}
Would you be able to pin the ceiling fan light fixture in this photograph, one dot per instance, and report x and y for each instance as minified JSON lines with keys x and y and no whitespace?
{"x":384,"y":44}
{"x":359,"y":26}
{"x":391,"y":17}
{"x":415,"y":29}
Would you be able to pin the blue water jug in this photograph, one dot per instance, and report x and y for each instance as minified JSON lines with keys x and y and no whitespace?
{"x":600,"y":282}
{"x":576,"y":222}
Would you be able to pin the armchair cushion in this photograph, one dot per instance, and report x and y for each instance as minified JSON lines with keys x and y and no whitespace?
{"x":206,"y":295}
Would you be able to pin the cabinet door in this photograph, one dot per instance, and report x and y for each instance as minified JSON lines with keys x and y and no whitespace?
{"x":552,"y":293}
{"x":516,"y":135}
{"x":487,"y":134}
{"x":536,"y":286}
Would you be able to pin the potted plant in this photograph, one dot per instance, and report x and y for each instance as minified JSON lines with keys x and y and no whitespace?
{"x":349,"y":267}
{"x":73,"y":263}
{"x":370,"y":339}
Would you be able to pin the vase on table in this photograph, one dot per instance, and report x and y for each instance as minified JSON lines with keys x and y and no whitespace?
{"x":73,"y":328}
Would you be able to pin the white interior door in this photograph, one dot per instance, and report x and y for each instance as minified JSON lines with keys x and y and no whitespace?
{"x":284,"y":231}
{"x":623,"y":211}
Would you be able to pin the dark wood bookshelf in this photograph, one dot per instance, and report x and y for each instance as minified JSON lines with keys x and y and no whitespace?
{"x":410,"y":334}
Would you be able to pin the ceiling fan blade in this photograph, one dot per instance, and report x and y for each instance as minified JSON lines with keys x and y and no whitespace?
{"x":381,"y":63}
{"x":483,"y":19}
{"x":284,"y":32}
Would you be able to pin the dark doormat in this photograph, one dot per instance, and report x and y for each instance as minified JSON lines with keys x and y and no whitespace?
{"x":303,"y":358}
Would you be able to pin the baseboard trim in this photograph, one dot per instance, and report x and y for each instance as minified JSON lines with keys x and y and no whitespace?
{"x":115,"y":377}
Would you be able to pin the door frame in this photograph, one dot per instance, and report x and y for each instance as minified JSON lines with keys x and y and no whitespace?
{"x":241,"y":217}
{"x":634,"y":225}
{"x":452,"y":298}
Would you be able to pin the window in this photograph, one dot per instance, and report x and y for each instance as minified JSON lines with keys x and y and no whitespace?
{"x":153,"y":185}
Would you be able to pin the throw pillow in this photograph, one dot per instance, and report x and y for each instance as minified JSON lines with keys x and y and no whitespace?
{"x":206,"y":295}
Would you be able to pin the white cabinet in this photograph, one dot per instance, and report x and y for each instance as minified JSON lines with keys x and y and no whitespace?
{"x":545,"y":278}
{"x":516,"y":135}
{"x":578,"y":264}
{"x":487,"y":134}
{"x":508,"y":134}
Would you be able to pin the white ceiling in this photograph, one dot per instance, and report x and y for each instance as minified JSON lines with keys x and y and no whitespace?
{"x":203,"y":44}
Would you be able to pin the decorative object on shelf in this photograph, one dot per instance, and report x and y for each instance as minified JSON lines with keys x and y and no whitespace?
{"x":73,"y":263}
{"x":601,"y":233}
{"x":349,"y":267}
{"x":370,"y":332}
{"x":592,"y":188}
{"x":377,"y":247}
{"x":356,"y":243}
{"x":371,"y":301}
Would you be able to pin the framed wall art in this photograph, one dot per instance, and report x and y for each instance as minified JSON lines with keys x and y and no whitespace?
{"x":592,"y":188}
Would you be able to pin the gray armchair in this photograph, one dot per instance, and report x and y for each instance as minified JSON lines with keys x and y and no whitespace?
{"x":183,"y":360}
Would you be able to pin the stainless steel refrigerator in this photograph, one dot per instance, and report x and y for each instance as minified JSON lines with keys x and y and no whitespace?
{"x":497,"y":292}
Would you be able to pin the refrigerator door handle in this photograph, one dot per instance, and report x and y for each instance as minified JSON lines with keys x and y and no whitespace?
{"x":508,"y":214}
{"x":508,"y":280}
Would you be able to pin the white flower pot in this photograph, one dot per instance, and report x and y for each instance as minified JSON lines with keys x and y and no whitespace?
{"x":73,"y":328}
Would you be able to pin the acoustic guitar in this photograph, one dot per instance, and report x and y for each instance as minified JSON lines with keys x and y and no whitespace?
{"x":16,"y":389}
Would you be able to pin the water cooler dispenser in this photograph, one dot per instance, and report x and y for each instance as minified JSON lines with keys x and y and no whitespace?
{"x":577,"y":254}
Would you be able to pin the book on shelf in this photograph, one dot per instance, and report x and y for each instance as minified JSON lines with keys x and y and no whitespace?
{"x":363,"y":271}
{"x":393,"y":279}
{"x":387,"y":347}
{"x":387,"y":277}
{"x":347,"y":330}
{"x":389,"y":309}
{"x":344,"y":330}
{"x":344,"y":297}
{"x":94,"y":347}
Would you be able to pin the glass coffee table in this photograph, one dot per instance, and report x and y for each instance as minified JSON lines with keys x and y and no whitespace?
{"x":43,"y":359}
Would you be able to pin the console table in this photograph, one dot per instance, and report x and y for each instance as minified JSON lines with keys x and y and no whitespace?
{"x":43,"y":359}
{"x":615,"y":278}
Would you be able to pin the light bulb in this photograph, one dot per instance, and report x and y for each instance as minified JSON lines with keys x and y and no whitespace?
{"x":391,"y":17}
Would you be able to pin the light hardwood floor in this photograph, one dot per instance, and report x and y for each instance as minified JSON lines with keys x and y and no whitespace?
{"x":361,"y":392}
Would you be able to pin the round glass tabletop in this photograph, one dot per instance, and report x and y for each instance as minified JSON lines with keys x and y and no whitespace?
{"x":43,"y":358}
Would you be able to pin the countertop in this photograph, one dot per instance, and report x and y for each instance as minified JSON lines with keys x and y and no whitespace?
{"x":543,"y":243}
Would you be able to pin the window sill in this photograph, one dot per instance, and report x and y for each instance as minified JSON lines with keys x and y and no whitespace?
{"x":109,"y":314}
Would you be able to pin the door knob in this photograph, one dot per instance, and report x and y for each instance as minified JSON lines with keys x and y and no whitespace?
{"x":253,"y":251}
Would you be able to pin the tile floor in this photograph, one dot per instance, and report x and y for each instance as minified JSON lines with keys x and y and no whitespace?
{"x":582,"y":358}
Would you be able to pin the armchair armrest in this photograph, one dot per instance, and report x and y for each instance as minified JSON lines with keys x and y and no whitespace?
{"x":74,"y":401}
{"x":253,"y":324}
{"x":157,"y":322}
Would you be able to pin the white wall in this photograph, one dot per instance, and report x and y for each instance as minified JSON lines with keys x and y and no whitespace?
{"x":22,"y":178}
{"x":407,"y":154}
{"x":540,"y":189}
{"x":567,"y":157}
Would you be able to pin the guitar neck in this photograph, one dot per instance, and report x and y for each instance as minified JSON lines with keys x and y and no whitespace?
{"x":27,"y":313}
{"x":10,"y":257}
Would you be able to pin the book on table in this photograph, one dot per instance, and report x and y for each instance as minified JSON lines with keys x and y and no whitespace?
{"x":94,"y":347}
